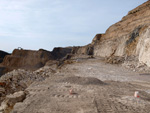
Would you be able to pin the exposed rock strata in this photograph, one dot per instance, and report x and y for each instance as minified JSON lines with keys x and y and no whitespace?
{"x":128,"y":37}
{"x":123,"y":37}
{"x":27,"y":59}
{"x":126,"y":40}
{"x":31,"y":60}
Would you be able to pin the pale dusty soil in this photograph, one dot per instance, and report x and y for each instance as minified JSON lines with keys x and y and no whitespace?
{"x":113,"y":95}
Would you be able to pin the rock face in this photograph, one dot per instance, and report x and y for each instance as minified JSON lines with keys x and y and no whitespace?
{"x":31,"y":60}
{"x":26,"y":59}
{"x":85,"y":50}
{"x":128,"y":37}
{"x":59,"y":52}
{"x":122,"y":38}
{"x":143,"y":47}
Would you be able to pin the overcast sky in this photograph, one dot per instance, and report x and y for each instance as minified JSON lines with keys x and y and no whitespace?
{"x":34,"y":24}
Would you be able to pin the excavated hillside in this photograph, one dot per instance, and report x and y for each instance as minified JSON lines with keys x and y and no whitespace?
{"x":26,"y":59}
{"x":126,"y":38}
{"x":77,"y":80}
{"x":31,"y":60}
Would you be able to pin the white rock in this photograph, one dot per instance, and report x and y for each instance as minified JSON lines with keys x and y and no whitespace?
{"x":3,"y":106}
{"x":14,"y":98}
{"x":143,"y":48}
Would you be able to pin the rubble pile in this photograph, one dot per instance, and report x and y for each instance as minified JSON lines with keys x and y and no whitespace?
{"x":19,"y":80}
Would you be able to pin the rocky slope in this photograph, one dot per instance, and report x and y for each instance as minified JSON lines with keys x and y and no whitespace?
{"x":123,"y":37}
{"x":60,"y":52}
{"x":126,"y":38}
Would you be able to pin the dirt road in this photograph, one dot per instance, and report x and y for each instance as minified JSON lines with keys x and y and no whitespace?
{"x":110,"y":91}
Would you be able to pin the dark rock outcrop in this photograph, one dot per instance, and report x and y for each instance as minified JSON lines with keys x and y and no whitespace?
{"x":83,"y":50}
{"x":2,"y":55}
{"x":60,"y":52}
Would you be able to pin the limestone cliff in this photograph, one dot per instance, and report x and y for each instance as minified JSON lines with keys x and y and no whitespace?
{"x":128,"y":37}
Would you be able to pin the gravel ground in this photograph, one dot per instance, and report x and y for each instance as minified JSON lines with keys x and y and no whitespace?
{"x":114,"y":96}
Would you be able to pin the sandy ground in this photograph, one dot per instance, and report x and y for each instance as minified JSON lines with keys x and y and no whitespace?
{"x":111,"y":92}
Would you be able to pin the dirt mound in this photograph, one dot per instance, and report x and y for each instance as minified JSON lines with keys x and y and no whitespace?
{"x":83,"y":80}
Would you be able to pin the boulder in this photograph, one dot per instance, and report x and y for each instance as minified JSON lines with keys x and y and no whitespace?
{"x":14,"y":98}
{"x":11,"y":100}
